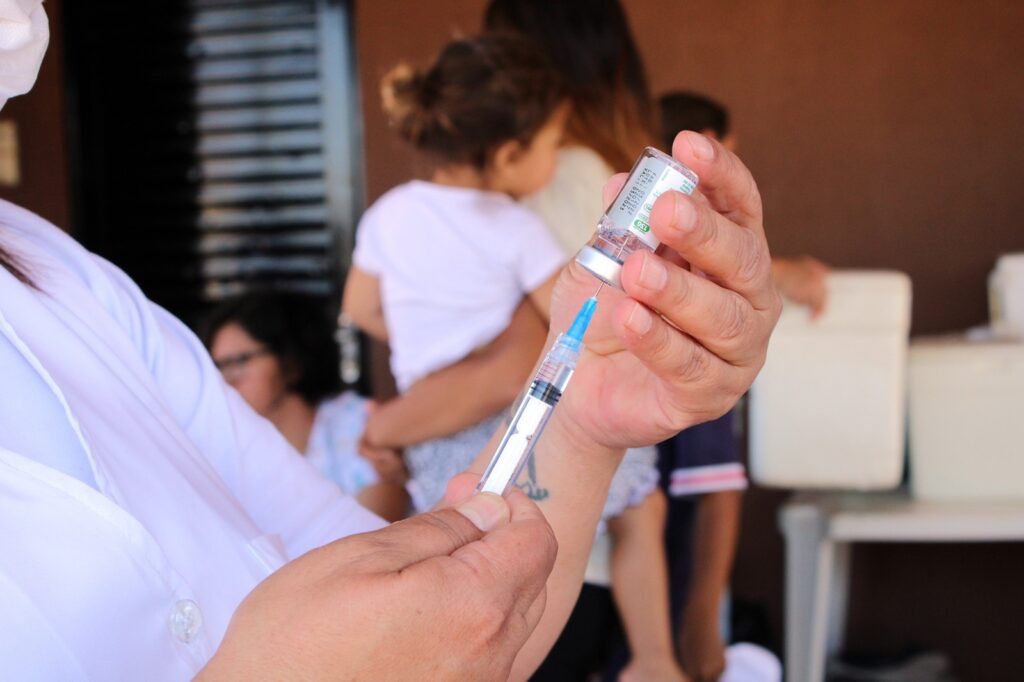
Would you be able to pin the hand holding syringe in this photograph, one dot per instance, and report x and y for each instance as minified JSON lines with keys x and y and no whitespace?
{"x":623,"y":229}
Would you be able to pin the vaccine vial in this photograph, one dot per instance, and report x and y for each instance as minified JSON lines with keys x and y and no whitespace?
{"x":625,"y":226}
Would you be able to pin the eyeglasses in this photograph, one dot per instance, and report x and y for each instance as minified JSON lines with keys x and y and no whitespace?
{"x":232,"y":367}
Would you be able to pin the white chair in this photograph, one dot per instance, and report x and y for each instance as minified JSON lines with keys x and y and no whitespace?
{"x":819,"y":529}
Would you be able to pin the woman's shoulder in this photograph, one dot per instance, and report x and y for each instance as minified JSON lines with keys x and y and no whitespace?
{"x":61,"y":266}
{"x":571,"y":204}
{"x":579,"y":158}
{"x":42,"y":238}
{"x":580,"y":174}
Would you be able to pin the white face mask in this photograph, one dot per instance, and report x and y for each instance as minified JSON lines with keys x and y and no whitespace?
{"x":24,"y":35}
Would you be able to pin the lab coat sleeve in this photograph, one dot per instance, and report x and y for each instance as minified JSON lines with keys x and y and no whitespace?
{"x":281,"y":491}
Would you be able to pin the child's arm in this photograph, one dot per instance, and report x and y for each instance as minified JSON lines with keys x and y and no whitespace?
{"x":362,"y":303}
{"x":540,"y":297}
{"x":714,"y":546}
{"x":640,"y":588}
{"x":385,"y":499}
{"x":464,"y":394}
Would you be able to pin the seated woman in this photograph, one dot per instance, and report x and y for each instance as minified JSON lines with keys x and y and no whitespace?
{"x":278,"y":351}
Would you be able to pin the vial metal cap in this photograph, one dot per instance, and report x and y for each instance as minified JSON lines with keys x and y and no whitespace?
{"x":601,"y":265}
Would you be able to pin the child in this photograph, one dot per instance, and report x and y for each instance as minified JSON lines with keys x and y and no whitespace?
{"x":441,"y":265}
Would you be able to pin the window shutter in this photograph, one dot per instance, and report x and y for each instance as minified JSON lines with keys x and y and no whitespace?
{"x":218,"y":146}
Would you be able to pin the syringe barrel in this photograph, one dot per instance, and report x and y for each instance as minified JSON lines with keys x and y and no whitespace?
{"x":531,"y":415}
{"x":557,"y":368}
{"x":516,"y":446}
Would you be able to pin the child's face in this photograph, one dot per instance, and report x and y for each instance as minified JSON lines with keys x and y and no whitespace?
{"x":519,"y":171}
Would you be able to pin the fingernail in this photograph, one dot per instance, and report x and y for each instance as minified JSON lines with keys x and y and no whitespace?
{"x":653,"y":274}
{"x":685,"y":214}
{"x":639,"y":320}
{"x":486,"y":511}
{"x":701,"y":146}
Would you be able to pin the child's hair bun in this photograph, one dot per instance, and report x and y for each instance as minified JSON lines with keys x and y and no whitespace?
{"x":402,"y":98}
{"x":478,"y":93}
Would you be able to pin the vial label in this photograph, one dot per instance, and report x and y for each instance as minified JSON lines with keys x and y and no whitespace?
{"x":651,"y":178}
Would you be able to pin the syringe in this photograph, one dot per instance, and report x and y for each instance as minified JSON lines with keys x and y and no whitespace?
{"x":534,"y":409}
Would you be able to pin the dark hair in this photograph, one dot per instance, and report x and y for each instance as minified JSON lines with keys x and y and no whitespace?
{"x":13,"y":266}
{"x":480,"y":93}
{"x":690,"y":111}
{"x":296,"y":328}
{"x":590,"y":44}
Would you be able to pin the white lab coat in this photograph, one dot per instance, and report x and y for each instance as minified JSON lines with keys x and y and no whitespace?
{"x":198,"y":498}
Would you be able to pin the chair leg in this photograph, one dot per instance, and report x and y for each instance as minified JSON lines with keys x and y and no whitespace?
{"x":804,"y":528}
{"x":825,"y":560}
{"x":838,"y":597}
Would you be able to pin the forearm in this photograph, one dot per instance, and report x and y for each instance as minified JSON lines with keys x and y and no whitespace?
{"x":373,"y":325}
{"x":464,"y":394}
{"x":715,"y":537}
{"x":575,"y":474}
{"x":442,"y":404}
{"x":640,"y":578}
{"x":387,"y":500}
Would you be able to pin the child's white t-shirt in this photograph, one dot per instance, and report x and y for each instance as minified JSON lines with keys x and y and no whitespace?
{"x":453,"y":264}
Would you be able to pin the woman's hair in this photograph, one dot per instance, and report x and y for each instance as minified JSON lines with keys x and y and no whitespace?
{"x":296,"y":328}
{"x":11,"y":264}
{"x":480,"y":93}
{"x":589,"y":43}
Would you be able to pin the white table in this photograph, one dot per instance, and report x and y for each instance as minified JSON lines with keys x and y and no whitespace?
{"x":819,"y":529}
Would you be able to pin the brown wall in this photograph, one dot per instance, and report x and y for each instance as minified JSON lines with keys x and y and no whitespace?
{"x":883,"y":133}
{"x":39,"y":116}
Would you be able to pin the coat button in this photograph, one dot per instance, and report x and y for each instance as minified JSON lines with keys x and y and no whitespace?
{"x":186,"y":619}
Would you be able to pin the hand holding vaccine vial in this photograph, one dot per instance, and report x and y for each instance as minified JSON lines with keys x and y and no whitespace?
{"x":625,"y":226}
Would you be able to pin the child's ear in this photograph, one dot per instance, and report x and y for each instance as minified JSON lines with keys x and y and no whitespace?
{"x":507,"y":154}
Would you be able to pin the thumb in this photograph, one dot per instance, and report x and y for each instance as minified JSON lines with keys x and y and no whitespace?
{"x":434,"y":534}
{"x":460,"y":487}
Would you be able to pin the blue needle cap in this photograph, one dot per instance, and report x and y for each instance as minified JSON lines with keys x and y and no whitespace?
{"x":574,"y":337}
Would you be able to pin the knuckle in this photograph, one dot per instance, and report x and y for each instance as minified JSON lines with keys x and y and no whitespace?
{"x":754,"y":260}
{"x":660,"y":348}
{"x":549,"y":547}
{"x":444,"y":524}
{"x":488,"y":627}
{"x":733,"y":323}
{"x":705,"y":231}
{"x":491,"y":620}
{"x":775,"y":308}
{"x":694,"y":362}
{"x":752,"y":199}
{"x":679,"y":293}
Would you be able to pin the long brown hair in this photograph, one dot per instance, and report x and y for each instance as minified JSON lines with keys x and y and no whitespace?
{"x":591,"y":46}
{"x":478,"y":94}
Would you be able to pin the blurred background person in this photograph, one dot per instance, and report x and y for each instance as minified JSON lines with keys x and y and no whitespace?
{"x":800,"y":279}
{"x":278,"y":351}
